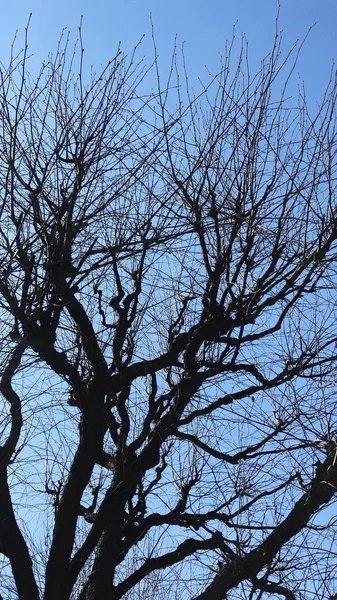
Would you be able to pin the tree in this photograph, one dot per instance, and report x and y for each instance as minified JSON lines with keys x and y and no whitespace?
{"x":168,"y":344}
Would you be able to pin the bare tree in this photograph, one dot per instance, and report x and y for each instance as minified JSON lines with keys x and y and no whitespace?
{"x":168,"y":343}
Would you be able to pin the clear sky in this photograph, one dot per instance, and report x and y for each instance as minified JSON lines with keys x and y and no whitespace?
{"x":203,"y":24}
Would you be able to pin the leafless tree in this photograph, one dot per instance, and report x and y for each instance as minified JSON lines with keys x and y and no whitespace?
{"x":168,"y":342}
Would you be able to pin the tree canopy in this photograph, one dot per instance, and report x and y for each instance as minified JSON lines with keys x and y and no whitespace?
{"x":168,"y":341}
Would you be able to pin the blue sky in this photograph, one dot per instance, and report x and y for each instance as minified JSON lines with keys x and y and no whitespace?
{"x":203,"y":25}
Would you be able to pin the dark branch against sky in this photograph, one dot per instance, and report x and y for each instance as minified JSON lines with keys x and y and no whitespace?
{"x":203,"y":25}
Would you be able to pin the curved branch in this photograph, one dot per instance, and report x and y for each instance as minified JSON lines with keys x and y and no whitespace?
{"x":322,"y":489}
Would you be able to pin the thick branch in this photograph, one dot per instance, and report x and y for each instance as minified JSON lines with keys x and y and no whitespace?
{"x":185,"y":549}
{"x":322,"y":490}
